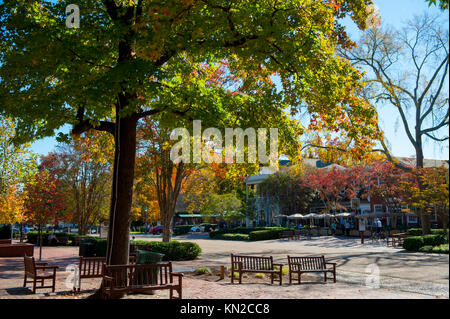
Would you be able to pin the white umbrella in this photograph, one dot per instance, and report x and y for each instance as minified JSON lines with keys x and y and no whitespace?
{"x":310,"y":215}
{"x":343,"y":215}
{"x":295,"y":216}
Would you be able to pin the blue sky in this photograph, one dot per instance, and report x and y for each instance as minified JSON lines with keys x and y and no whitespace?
{"x":394,"y":13}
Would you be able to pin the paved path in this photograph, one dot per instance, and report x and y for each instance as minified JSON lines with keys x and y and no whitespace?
{"x":423,"y":273}
{"x":401,"y":274}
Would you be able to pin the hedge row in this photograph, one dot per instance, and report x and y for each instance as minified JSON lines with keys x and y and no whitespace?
{"x":418,"y":231}
{"x":243,"y":230}
{"x":441,"y":249}
{"x":33,"y":237}
{"x":233,"y":236}
{"x":414,"y":243}
{"x":265,"y":234}
{"x":173,"y":250}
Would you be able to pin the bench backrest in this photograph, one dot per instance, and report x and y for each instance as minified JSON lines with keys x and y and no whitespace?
{"x":252,"y":262}
{"x":30,"y":268}
{"x":91,"y":267}
{"x":133,"y":275}
{"x":306,"y":263}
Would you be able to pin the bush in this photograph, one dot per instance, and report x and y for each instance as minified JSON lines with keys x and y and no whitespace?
{"x":413,"y":243}
{"x":426,"y":249}
{"x":173,"y":250}
{"x":181,"y":229}
{"x":418,"y":231}
{"x":202,"y":271}
{"x":441,"y":249}
{"x":264,"y":235}
{"x":232,"y":237}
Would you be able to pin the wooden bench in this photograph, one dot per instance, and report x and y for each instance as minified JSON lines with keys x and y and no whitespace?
{"x":254,"y":264}
{"x":120,"y":279}
{"x":36,"y":271}
{"x":5,"y":241}
{"x":289,"y":234}
{"x":300,"y":265}
{"x":396,"y":239}
{"x":92,"y":267}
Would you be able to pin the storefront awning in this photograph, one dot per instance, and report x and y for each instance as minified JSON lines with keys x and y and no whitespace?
{"x":189,"y":215}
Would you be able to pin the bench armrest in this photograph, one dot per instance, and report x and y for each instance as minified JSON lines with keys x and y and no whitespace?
{"x":333,"y":264}
{"x":40,"y":263}
{"x":47,"y":267}
{"x":178,"y":274}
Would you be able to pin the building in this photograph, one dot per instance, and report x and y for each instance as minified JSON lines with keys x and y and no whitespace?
{"x":267,"y":213}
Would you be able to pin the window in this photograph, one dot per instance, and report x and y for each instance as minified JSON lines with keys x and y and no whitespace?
{"x":378,"y":208}
{"x":412,"y":219}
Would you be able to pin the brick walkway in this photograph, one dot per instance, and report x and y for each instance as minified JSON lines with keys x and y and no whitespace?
{"x":403,"y":275}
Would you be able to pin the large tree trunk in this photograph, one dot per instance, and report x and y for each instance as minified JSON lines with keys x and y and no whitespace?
{"x":122,"y":191}
{"x":424,"y":216}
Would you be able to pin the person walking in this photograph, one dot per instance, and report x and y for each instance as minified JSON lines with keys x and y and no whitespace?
{"x":362,"y":228}
{"x":333,"y":229}
{"x":347,"y":228}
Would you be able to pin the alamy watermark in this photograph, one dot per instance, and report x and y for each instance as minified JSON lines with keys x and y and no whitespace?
{"x":73,"y":18}
{"x":373,"y":276}
{"x":208,"y":146}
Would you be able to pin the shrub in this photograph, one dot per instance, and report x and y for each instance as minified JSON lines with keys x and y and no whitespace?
{"x":264,"y":235}
{"x":413,"y":243}
{"x":426,"y":249}
{"x":202,"y":271}
{"x":173,"y":250}
{"x":418,"y":231}
{"x":260,"y":275}
{"x":181,"y":229}
{"x":434,"y":240}
{"x":441,"y":249}
{"x":233,"y":236}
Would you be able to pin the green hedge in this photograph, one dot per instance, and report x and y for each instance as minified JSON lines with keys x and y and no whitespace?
{"x":181,"y":229}
{"x":264,"y":234}
{"x":33,"y":237}
{"x":414,"y":243}
{"x":242,"y":230}
{"x":173,"y":250}
{"x":418,"y":231}
{"x":441,"y":249}
{"x":232,"y":236}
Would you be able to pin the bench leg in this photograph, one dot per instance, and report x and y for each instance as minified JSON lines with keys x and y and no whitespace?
{"x":290,"y":277}
{"x":240,"y":277}
{"x":232,"y":275}
{"x":25,"y":281}
{"x":271,"y":278}
{"x":34,"y":286}
{"x":281,"y":275}
{"x":299,"y":277}
{"x":325,"y":276}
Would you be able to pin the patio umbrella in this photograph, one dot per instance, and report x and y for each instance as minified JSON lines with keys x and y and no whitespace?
{"x":310,"y":215}
{"x":295,"y":216}
{"x":343,"y":215}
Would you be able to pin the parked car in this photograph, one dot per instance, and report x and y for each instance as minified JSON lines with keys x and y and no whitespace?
{"x":197,"y":229}
{"x":156,"y":230}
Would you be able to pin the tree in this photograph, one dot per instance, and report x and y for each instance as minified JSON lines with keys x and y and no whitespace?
{"x":408,"y":69}
{"x":443,"y":4}
{"x":433,"y":196}
{"x":333,"y":186}
{"x":85,"y":180}
{"x":119,"y":67}
{"x":17,"y":162}
{"x":386,"y":182}
{"x":284,"y":190}
{"x":45,"y":201}
{"x":11,"y":206}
